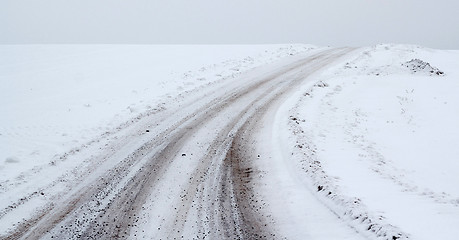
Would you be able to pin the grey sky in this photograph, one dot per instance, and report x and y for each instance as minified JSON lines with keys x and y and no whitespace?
{"x":321,"y":22}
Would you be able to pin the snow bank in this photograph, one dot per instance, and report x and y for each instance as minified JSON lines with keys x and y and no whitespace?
{"x":377,"y":139}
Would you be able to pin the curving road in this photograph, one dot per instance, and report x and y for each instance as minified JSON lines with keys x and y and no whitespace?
{"x":187,"y":171}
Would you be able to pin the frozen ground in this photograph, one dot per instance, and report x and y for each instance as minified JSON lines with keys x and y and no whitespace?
{"x":277,"y":142}
{"x":384,"y":130}
{"x":56,"y":98}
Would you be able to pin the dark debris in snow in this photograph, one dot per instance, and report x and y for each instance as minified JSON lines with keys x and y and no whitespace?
{"x":419,"y":66}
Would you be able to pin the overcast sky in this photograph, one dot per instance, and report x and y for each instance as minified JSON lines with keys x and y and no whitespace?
{"x":322,"y":22}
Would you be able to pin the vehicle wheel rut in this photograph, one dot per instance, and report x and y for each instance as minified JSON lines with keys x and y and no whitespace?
{"x":214,"y":197}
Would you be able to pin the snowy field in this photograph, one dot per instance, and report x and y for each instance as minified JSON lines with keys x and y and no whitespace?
{"x":58,"y":98}
{"x":381,"y":136}
{"x":366,"y":147}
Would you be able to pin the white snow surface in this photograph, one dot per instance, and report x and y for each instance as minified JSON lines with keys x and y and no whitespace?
{"x":370,"y":145}
{"x":382,"y":140}
{"x":57,"y":98}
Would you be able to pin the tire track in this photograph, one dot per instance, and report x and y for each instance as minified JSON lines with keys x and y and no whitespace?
{"x":234,"y":192}
{"x":111,"y":206}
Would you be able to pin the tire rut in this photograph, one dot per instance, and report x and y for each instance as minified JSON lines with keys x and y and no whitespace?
{"x":111,"y":206}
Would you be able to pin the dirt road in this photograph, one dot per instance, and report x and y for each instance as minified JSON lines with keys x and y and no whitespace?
{"x":184,"y":171}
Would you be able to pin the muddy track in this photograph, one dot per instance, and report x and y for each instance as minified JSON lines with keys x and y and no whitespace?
{"x":214,"y":197}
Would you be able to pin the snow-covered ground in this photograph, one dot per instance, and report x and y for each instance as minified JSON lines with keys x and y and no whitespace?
{"x":58,"y":98}
{"x":381,"y":136}
{"x":368,"y":143}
